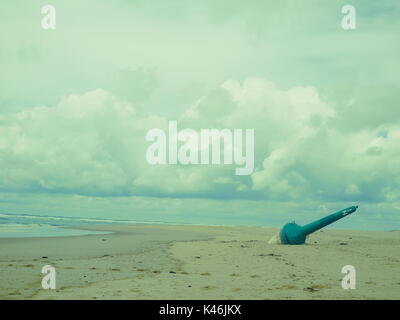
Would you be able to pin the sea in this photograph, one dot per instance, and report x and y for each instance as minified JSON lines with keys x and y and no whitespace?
{"x":26,"y":225}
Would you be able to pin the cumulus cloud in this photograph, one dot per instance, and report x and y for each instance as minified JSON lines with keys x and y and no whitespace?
{"x":94,"y":144}
{"x":70,"y":147}
{"x":302,"y":149}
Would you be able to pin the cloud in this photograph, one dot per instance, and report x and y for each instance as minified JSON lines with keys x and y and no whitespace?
{"x":71,"y":147}
{"x":323,"y":103}
{"x":303,"y":152}
{"x":94,"y":144}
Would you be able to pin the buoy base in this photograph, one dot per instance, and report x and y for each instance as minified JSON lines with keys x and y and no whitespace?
{"x":292,"y":233}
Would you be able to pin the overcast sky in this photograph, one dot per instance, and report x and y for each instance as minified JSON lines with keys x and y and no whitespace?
{"x":76,"y":103}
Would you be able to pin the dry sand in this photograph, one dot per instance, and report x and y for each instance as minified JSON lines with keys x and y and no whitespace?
{"x":200,"y":262}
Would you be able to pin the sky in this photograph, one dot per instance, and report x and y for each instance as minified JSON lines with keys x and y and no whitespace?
{"x":76,"y":103}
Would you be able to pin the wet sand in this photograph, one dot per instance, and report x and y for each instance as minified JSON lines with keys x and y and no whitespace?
{"x":201,"y":262}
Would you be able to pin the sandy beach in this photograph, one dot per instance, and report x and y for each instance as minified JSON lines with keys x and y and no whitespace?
{"x":201,"y":262}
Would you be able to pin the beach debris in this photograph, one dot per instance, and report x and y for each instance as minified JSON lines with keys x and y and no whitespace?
{"x":292,"y":233}
{"x":269,"y":255}
{"x":310,"y":289}
{"x":273,"y":255}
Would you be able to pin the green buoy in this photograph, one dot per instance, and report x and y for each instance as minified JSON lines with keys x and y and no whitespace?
{"x":292,"y":233}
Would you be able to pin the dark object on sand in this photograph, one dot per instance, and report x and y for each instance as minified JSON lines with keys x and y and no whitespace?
{"x":292,"y":233}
